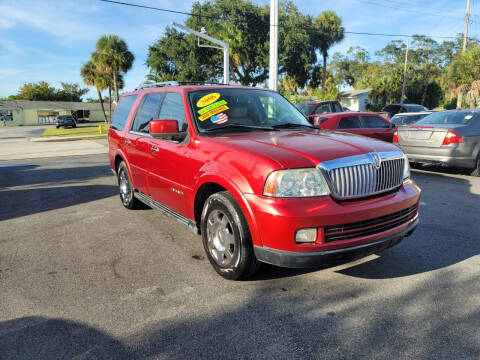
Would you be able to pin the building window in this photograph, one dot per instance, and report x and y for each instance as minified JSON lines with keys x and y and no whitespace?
{"x":6,"y":115}
{"x":47,"y":117}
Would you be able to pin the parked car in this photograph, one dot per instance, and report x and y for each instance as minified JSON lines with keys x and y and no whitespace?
{"x":408,"y":118}
{"x":245,"y":169}
{"x":313,"y":109}
{"x":65,"y":121}
{"x":450,"y":138}
{"x":393,"y":109}
{"x":366,"y":124}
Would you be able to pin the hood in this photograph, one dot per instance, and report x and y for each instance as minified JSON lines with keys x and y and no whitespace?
{"x":294,"y":149}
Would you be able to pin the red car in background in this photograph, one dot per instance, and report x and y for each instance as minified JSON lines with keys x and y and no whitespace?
{"x":314,"y":109}
{"x":366,"y":124}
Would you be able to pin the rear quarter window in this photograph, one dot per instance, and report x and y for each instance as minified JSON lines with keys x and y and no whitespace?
{"x":122,"y":111}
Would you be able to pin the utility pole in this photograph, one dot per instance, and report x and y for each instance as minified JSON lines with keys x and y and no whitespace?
{"x":404,"y":74}
{"x":273,"y":68}
{"x":223,"y":46}
{"x":465,"y":31}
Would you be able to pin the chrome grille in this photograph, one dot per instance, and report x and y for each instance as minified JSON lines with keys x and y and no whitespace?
{"x":357,"y":176}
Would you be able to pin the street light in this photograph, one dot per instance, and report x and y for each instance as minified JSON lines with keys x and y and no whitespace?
{"x":223,"y":46}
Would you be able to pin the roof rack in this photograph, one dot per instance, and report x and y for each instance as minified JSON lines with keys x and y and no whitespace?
{"x":174,"y":83}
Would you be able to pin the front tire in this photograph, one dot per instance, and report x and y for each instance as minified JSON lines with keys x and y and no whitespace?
{"x":126,"y":188}
{"x":226,"y":238}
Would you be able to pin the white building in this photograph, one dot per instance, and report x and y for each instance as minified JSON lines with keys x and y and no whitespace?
{"x":355,"y":100}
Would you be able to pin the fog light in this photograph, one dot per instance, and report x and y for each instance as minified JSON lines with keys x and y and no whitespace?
{"x":306,"y":235}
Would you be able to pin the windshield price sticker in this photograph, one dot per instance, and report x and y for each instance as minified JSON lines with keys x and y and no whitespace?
{"x":213,"y":112}
{"x":208,"y":99}
{"x":212,"y":106}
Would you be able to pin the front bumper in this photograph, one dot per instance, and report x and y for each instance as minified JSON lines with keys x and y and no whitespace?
{"x":329,"y":257}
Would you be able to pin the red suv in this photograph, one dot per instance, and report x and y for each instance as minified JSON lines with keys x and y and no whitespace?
{"x":245,"y":169}
{"x":366,"y":124}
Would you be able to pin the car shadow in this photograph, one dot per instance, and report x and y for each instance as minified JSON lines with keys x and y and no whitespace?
{"x":42,"y":338}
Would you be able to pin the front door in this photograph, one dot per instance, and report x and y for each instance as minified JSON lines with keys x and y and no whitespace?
{"x":169,"y":179}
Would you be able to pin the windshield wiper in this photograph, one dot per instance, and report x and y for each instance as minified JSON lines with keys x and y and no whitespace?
{"x":290,"y":125}
{"x":239,"y":126}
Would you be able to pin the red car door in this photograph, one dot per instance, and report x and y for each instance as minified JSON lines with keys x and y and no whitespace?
{"x":169,"y":178}
{"x":136,"y":140}
{"x":378,"y":127}
{"x":352,"y":124}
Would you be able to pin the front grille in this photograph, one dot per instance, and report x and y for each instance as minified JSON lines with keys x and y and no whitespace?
{"x":369,"y":227}
{"x":359,"y":177}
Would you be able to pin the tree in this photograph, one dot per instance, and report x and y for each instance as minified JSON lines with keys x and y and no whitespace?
{"x":463,"y":74}
{"x":113,"y":57}
{"x":245,"y":27}
{"x":70,"y":92}
{"x":330,"y":32}
{"x":348,"y":69}
{"x":92,"y":77}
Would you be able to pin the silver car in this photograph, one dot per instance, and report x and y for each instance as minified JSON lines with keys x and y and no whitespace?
{"x":408,"y":118}
{"x":447,"y":137}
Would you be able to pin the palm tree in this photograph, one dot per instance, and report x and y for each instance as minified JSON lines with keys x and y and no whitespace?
{"x":113,"y":57}
{"x":330,"y":32}
{"x":92,"y":77}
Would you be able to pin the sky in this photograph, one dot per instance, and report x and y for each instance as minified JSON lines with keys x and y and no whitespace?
{"x":49,"y":40}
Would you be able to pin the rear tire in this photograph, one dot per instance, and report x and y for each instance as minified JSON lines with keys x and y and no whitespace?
{"x":126,"y":188}
{"x":226,"y":238}
{"x":476,"y":170}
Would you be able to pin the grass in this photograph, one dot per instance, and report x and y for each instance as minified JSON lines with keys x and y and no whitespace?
{"x":78,"y":131}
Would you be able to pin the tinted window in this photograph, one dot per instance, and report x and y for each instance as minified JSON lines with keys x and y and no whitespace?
{"x":323,"y":108}
{"x":449,"y":117}
{"x":349,"y":122}
{"x":305,"y":109}
{"x":415,"y":108}
{"x":121,"y":112}
{"x":373,"y":122}
{"x":172,"y":109}
{"x":147,"y":111}
{"x":337,"y":108}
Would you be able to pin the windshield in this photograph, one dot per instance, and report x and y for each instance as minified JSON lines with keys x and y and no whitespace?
{"x":415,"y":108}
{"x":305,"y":109}
{"x":448,"y":117}
{"x":233,"y":110}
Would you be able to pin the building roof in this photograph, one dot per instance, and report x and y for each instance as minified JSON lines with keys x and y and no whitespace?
{"x":354,"y":93}
{"x":47,"y":105}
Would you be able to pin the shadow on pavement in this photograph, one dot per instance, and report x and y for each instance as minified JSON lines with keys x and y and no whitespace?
{"x":32,"y":201}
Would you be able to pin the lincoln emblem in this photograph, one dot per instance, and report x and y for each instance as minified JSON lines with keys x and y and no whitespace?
{"x":376,"y":161}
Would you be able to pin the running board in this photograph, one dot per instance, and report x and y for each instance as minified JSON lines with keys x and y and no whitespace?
{"x":165,"y":210}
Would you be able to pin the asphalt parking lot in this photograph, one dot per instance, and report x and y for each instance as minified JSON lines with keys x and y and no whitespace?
{"x":81,"y":277}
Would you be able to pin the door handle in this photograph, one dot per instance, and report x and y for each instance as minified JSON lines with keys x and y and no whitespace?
{"x":154,"y":149}
{"x":127,"y":141}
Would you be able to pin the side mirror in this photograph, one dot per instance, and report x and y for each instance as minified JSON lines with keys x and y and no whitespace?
{"x":166,"y":129}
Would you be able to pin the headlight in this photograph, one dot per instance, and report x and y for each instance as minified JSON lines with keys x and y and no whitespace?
{"x":296,"y":183}
{"x":406,"y":167}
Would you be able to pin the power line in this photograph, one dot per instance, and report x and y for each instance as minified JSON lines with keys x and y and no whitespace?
{"x":417,"y":5}
{"x":158,"y":9}
{"x":307,"y":29}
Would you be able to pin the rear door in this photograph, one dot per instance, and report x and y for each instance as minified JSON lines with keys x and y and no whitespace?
{"x":378,"y":127}
{"x":136,"y":140}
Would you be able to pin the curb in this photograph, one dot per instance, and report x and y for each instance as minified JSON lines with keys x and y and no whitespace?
{"x":67,"y":138}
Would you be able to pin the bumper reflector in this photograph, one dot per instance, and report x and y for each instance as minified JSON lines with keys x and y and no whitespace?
{"x":306,"y":236}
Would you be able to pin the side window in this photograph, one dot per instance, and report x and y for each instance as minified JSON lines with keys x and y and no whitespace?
{"x":323,"y":109}
{"x":172,"y":109}
{"x":147,"y":111}
{"x":336,"y":107}
{"x":349,"y":122}
{"x":373,"y":122}
{"x":122,"y":111}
